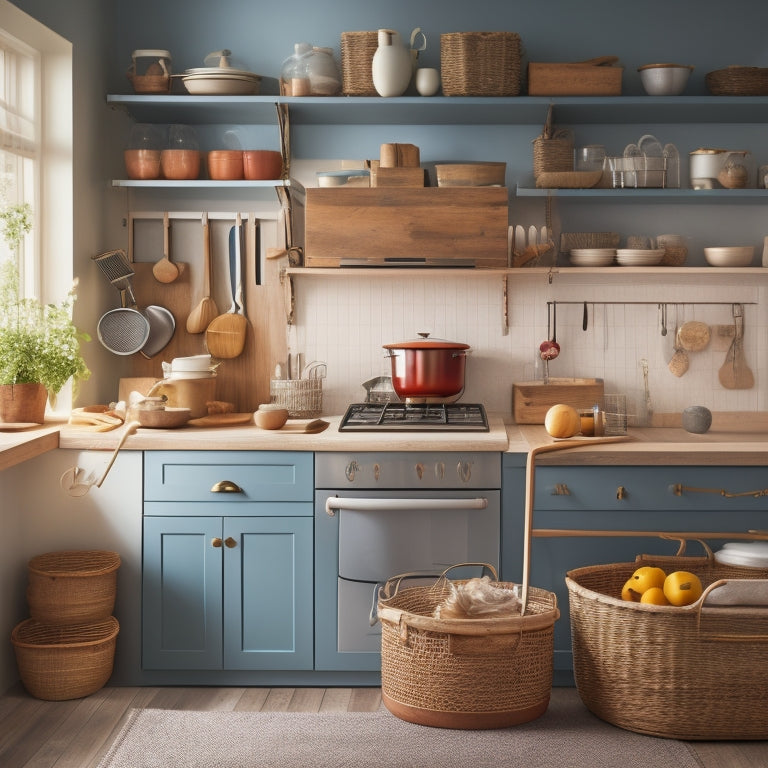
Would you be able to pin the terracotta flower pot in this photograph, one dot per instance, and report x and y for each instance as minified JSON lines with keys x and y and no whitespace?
{"x":262,"y":164}
{"x":22,"y":403}
{"x":225,"y":164}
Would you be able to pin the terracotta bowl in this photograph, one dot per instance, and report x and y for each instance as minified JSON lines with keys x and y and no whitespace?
{"x":225,"y":164}
{"x":262,"y":164}
{"x":142,"y":163}
{"x":270,"y":416}
{"x":180,"y":163}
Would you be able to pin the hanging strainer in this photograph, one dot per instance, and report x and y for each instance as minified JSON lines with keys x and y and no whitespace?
{"x":125,"y":330}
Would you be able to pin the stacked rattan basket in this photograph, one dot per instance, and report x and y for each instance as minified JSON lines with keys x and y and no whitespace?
{"x":66,"y":649}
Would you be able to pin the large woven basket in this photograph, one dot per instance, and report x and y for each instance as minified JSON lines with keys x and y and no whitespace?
{"x":738,"y":81}
{"x":58,"y":663}
{"x":465,"y":673}
{"x":480,"y":63}
{"x":694,"y":673}
{"x":72,"y":587}
{"x":357,"y":49}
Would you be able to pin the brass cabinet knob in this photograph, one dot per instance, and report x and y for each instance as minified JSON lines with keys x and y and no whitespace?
{"x":621,"y":493}
{"x":561,"y":489}
{"x":216,"y":542}
{"x":226,"y":486}
{"x":230,"y":543}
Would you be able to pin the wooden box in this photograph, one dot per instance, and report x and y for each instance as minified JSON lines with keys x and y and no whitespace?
{"x":582,"y":79}
{"x":392,"y":226}
{"x":532,"y":399}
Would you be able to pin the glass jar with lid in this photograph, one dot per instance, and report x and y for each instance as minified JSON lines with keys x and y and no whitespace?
{"x":142,"y":153}
{"x":180,"y":158}
{"x":294,"y":73}
{"x":324,"y":78}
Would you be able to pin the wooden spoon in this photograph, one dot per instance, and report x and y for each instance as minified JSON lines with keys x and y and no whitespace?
{"x":165,"y":271}
{"x":201,"y":316}
{"x":225,"y":336}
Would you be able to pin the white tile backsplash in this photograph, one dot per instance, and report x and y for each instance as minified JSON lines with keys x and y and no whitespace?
{"x":345,"y":321}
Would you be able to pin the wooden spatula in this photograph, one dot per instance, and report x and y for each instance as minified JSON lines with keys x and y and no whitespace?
{"x":735,"y":373}
{"x":165,"y":271}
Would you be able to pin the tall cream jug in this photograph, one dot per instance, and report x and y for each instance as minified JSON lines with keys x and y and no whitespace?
{"x":391,"y":67}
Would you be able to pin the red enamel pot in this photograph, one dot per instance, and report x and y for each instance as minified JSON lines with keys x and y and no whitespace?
{"x":428,"y":368}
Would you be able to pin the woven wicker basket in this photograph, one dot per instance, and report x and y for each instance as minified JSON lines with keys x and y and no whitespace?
{"x":738,"y":81}
{"x":73,"y":587}
{"x":552,"y":155}
{"x":302,"y":397}
{"x":674,"y":256}
{"x":480,"y":63}
{"x":683,"y":673}
{"x":357,"y":49}
{"x":58,"y":663}
{"x":465,"y":673}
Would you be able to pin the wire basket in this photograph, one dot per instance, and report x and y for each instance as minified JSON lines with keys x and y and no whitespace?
{"x":58,"y":663}
{"x":460,"y":673}
{"x":357,"y":49}
{"x":683,"y":673}
{"x":72,"y":587}
{"x":302,"y":397}
{"x":480,"y":63}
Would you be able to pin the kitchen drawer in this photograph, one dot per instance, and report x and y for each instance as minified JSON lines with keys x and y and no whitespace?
{"x":655,"y":488}
{"x":260,"y":476}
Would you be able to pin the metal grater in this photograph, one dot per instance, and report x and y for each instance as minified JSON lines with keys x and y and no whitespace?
{"x":117,"y":269}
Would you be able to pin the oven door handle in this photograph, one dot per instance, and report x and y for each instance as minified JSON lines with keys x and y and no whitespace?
{"x":332,"y":503}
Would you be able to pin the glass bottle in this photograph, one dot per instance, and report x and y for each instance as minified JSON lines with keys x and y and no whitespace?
{"x":294,"y":74}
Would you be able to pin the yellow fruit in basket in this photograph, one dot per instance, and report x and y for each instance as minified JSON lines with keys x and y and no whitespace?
{"x":562,"y":421}
{"x":682,"y":588}
{"x":654,"y":596}
{"x":646,"y":577}
{"x":628,"y":592}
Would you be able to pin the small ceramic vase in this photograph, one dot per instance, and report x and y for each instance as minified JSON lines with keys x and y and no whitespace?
{"x":391,"y":66}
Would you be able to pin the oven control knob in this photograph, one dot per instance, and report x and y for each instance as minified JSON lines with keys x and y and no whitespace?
{"x":420,"y":471}
{"x":440,"y":470}
{"x":464,"y":471}
{"x":352,"y":469}
{"x":376,"y":472}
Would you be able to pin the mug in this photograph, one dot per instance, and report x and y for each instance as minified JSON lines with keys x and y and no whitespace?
{"x":427,"y":81}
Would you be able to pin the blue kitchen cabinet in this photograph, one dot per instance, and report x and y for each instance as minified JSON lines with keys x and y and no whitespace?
{"x":228,"y":564}
{"x":618,"y":498}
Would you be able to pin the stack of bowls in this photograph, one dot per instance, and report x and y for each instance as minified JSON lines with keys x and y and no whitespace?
{"x":194,"y":367}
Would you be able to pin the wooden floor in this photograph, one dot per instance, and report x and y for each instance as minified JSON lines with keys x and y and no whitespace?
{"x":75,"y":734}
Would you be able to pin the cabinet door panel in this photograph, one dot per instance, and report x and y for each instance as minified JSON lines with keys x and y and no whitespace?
{"x":268,"y":597}
{"x":182,"y":588}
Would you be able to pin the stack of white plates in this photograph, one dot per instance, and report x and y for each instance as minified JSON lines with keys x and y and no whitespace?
{"x":751,"y":553}
{"x":213,"y":81}
{"x":629,"y":257}
{"x":194,"y":367}
{"x":592,"y":257}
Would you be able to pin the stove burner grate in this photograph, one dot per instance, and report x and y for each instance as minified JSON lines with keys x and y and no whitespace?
{"x":415,"y":417}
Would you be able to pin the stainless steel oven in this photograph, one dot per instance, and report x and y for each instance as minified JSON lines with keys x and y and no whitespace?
{"x":381,"y":514}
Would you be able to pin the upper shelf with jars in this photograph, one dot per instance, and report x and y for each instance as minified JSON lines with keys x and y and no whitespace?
{"x":443,"y":110}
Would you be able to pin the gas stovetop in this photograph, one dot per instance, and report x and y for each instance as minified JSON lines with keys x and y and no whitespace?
{"x":414,"y":417}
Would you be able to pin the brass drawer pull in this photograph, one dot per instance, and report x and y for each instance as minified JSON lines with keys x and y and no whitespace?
{"x":678,"y":489}
{"x":621,"y":493}
{"x":561,"y":489}
{"x":226,"y":486}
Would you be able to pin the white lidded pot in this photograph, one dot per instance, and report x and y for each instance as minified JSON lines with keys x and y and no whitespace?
{"x":391,"y":67}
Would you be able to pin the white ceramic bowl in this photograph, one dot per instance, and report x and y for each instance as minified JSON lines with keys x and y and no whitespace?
{"x":664,"y":79}
{"x":730,"y":256}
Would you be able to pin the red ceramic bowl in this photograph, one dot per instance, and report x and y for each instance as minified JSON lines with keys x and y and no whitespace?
{"x":262,"y":164}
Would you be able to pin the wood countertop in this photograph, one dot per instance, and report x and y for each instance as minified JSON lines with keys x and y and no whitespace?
{"x":721,"y":446}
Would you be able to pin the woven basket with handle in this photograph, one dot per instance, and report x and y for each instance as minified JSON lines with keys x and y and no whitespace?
{"x":697,"y":672}
{"x":464,"y":673}
{"x":357,"y":49}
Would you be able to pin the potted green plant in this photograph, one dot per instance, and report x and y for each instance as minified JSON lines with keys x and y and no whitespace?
{"x":39,"y":343}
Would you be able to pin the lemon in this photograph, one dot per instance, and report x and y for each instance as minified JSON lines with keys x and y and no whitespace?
{"x":654,"y":596}
{"x":646,"y":577}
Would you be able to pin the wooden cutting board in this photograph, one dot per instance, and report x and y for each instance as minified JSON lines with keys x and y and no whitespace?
{"x":222,"y":420}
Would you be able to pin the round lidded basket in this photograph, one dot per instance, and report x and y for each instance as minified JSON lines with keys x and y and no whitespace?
{"x":72,"y":587}
{"x":59,"y":663}
{"x":738,"y":81}
{"x":357,"y":49}
{"x":150,"y":71}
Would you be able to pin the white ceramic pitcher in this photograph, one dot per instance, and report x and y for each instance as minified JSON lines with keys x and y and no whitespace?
{"x":391,"y":66}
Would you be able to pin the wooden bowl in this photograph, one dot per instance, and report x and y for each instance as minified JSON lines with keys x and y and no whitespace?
{"x":165,"y":418}
{"x":470,"y":174}
{"x":270,"y":416}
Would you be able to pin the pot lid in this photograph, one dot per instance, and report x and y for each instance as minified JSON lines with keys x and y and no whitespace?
{"x":223,"y":66}
{"x":424,"y":342}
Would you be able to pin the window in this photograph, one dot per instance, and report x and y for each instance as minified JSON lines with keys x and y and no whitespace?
{"x":19,"y":153}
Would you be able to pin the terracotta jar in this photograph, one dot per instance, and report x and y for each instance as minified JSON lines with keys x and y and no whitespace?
{"x":262,"y":164}
{"x":225,"y":164}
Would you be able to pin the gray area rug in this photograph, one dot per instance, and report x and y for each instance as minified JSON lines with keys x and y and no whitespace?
{"x":566,"y":736}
